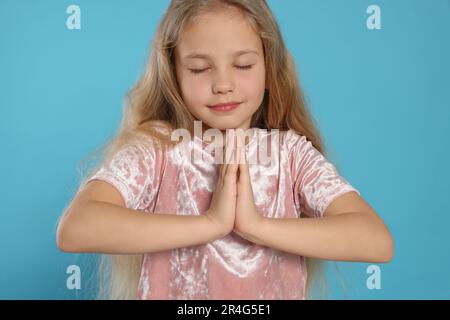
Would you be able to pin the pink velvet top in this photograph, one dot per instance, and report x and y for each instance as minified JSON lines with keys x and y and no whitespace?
{"x":300,"y":179}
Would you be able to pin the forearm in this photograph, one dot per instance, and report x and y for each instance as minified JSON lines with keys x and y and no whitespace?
{"x":346,"y":237}
{"x":106,"y":228}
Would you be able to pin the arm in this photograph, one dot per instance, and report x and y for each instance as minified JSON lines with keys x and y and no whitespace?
{"x":349,"y":231}
{"x":108,"y":227}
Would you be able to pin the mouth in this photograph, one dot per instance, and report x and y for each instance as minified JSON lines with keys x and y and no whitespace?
{"x":225,"y":106}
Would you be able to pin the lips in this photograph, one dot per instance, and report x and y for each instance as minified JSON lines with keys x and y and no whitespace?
{"x":225,"y":106}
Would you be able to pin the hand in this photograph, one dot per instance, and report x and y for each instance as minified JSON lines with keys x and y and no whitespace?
{"x":223,"y":202}
{"x":247,"y":216}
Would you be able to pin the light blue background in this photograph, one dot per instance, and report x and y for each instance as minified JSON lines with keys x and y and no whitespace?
{"x":380,"y":97}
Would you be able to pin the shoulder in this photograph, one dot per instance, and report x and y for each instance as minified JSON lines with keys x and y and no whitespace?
{"x":287,"y":140}
{"x":132,"y":150}
{"x":294,"y":141}
{"x":143,"y":142}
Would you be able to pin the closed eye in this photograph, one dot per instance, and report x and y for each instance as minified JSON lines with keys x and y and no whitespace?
{"x":196,"y":71}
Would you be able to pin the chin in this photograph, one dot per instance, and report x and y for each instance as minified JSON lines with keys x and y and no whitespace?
{"x":220,"y":124}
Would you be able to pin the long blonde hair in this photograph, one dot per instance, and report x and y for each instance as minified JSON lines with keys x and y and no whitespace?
{"x":155,"y":102}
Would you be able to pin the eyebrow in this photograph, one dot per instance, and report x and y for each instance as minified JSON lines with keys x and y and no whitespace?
{"x":205,"y":56}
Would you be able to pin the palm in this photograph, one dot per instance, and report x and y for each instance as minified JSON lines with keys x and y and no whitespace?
{"x":247,"y":215}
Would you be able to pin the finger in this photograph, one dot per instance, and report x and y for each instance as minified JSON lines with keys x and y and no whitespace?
{"x":228,"y":148}
{"x":227,"y":154}
{"x":235,"y":165}
{"x":232,"y":168}
{"x":243,"y":165}
{"x":238,"y":148}
{"x":223,"y":169}
{"x":243,"y":170}
{"x":243,"y":154}
{"x":228,"y":163}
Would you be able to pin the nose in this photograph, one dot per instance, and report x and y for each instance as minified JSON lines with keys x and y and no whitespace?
{"x":223,"y":83}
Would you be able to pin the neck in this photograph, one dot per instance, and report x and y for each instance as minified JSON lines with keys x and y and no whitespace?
{"x":200,"y":133}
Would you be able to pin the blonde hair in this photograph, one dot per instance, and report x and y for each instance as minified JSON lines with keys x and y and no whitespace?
{"x":155,"y":102}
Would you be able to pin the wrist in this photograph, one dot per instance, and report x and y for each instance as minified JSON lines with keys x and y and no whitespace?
{"x":217,"y":229}
{"x":254,"y":232}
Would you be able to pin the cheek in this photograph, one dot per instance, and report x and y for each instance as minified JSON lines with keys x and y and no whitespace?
{"x":194,"y":89}
{"x":252,"y":83}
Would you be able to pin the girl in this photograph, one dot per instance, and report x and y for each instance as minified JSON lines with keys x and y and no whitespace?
{"x":179,"y":229}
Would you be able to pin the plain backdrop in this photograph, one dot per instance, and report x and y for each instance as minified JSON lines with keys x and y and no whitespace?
{"x":380,"y":97}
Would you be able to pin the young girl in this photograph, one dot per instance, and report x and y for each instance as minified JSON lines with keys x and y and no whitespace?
{"x":181,"y":229}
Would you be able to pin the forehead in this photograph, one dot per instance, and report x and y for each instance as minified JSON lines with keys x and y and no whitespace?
{"x":218,"y":34}
{"x":205,"y":56}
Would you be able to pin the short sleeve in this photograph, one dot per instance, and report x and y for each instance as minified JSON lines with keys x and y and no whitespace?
{"x":131,"y":171}
{"x":317,"y":182}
